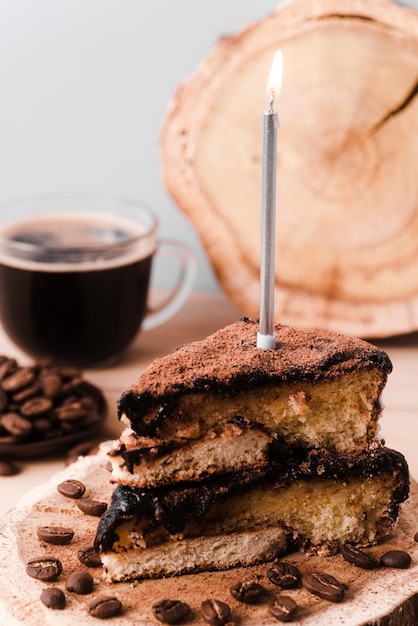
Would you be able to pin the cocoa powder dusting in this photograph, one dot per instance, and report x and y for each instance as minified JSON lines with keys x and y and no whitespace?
{"x":229,"y":361}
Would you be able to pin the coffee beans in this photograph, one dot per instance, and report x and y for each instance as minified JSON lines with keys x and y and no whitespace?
{"x":215,"y":612}
{"x":16,"y":425}
{"x":396,"y":558}
{"x":7,"y":366}
{"x":170,"y":611}
{"x":79,"y":582}
{"x":57,"y":535}
{"x":324,"y":585}
{"x":358,"y":557}
{"x":45,"y":401}
{"x":51,"y":385}
{"x":248,"y":592}
{"x":91,"y":507}
{"x":53,"y":598}
{"x":21,"y":377}
{"x":103,"y":607}
{"x":70,"y":412}
{"x":44,"y":568}
{"x":88,"y":556}
{"x":3,"y":400}
{"x":26,"y":393}
{"x":36,"y":406}
{"x":283,"y":608}
{"x":71,"y":488}
{"x":284,"y":575}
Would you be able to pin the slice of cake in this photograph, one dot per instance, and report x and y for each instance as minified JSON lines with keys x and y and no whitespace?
{"x":319,"y":501}
{"x":221,"y":404}
{"x":232,"y":453}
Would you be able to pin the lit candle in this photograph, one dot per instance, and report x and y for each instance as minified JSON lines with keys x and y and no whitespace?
{"x":266,"y":337}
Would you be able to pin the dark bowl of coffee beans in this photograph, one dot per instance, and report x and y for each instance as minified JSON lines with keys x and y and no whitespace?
{"x":46,"y":408}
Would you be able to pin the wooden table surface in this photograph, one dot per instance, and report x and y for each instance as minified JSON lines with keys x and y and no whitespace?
{"x":203,"y":314}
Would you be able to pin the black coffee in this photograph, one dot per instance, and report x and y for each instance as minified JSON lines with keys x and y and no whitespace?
{"x":75,"y":299}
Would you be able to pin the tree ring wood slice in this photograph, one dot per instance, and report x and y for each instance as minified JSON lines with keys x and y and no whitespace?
{"x":347,"y":181}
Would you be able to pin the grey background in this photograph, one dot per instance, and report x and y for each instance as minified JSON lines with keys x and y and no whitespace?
{"x":84,"y":88}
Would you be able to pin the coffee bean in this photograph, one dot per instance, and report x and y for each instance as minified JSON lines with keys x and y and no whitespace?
{"x":396,"y":558}
{"x":104,"y":607}
{"x":42,"y":425}
{"x":44,"y":363}
{"x":284,"y":575}
{"x":53,"y":598}
{"x":91,"y":507}
{"x":283,"y":608}
{"x":3,"y":400}
{"x":79,"y":582}
{"x":28,"y":392}
{"x":7,"y":468}
{"x":51,"y":384}
{"x":6,"y":440}
{"x":358,"y":557}
{"x":22,"y":377}
{"x":71,"y":427}
{"x":71,"y":488}
{"x":248,"y":591}
{"x":73,"y":385}
{"x":70,"y":412}
{"x":90,"y":404}
{"x":7,"y":366}
{"x":170,"y":611}
{"x":16,"y":425}
{"x":57,"y":535}
{"x":323,"y":585}
{"x":88,"y":556}
{"x":66,"y":371}
{"x":44,"y":568}
{"x":215,"y":612}
{"x":36,"y":406}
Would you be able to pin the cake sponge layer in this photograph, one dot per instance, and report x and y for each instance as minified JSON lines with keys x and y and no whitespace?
{"x":143,"y":461}
{"x":229,"y":362}
{"x":222,"y":404}
{"x":319,"y":503}
{"x":196,"y":554}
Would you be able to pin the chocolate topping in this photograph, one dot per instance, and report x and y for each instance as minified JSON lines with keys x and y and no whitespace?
{"x":174,"y":506}
{"x":228,"y":362}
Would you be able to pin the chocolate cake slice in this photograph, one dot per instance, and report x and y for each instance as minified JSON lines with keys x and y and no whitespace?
{"x":319,"y":499}
{"x":223,"y":405}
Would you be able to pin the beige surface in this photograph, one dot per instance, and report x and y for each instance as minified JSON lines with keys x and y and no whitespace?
{"x":203,"y":314}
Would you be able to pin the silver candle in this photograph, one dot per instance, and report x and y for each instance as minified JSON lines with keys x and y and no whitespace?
{"x":266,"y":337}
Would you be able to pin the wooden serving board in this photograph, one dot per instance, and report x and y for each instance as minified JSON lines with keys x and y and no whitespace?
{"x":347,"y":190}
{"x":380,"y":597}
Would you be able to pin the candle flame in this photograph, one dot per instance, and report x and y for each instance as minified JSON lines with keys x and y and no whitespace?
{"x":274,"y":82}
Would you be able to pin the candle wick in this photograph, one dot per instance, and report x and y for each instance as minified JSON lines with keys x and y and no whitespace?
{"x":271,"y":102}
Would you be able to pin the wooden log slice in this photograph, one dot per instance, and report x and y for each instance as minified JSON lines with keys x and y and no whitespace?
{"x":347,"y":178}
{"x":374,"y":597}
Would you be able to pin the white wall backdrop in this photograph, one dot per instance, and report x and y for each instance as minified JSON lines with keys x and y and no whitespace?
{"x":84,"y":85}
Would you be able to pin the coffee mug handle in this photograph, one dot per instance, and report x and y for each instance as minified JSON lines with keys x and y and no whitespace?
{"x":181,"y":291}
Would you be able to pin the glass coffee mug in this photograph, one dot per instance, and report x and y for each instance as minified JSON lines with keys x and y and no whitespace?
{"x":75,"y":273}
